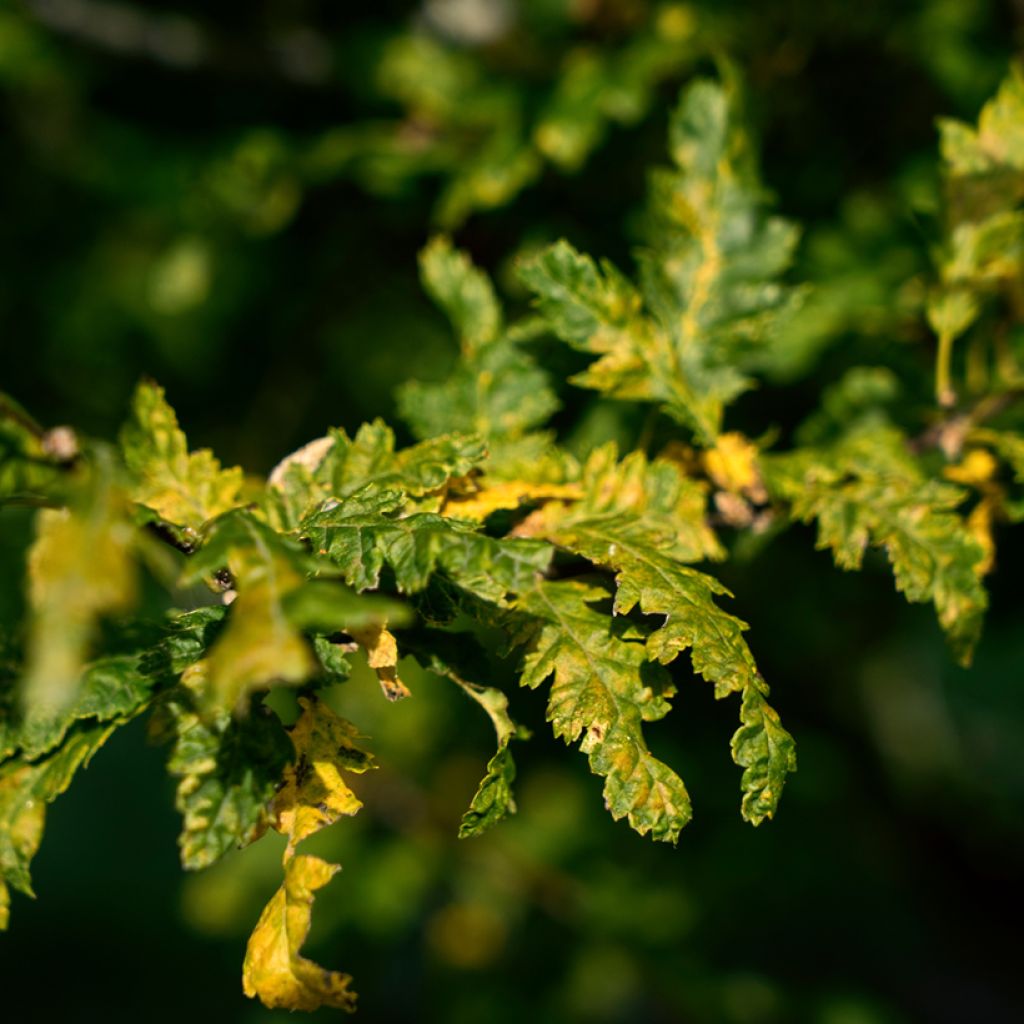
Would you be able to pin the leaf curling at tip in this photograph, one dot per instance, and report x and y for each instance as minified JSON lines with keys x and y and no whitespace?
{"x":274,"y":970}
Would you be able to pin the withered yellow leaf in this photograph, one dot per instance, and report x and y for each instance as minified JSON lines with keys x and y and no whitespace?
{"x":274,"y":970}
{"x":315,"y":794}
{"x":382,"y":656}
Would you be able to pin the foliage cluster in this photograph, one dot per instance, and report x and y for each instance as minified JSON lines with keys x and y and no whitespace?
{"x":589,"y":567}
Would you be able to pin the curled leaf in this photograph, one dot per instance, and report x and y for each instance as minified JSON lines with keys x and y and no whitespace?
{"x":274,"y":970}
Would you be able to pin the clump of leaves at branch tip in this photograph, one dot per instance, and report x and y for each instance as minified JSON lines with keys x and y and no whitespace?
{"x":594,"y":574}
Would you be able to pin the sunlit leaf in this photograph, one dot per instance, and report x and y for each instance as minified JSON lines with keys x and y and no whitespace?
{"x":274,"y":969}
{"x":602,"y":691}
{"x":181,"y":488}
{"x":314,"y":793}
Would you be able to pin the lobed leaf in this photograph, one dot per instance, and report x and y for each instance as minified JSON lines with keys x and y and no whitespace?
{"x":867,"y":490}
{"x":180,"y":488}
{"x":496,"y":389}
{"x":313,"y":793}
{"x":602,"y":691}
{"x":641,"y":522}
{"x":711,"y":308}
{"x":367,"y":532}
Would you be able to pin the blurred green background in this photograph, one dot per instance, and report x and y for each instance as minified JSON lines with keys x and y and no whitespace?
{"x":229,"y":198}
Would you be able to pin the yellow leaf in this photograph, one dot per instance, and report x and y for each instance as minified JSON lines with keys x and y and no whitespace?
{"x":977,"y":468}
{"x":315,"y":794}
{"x":979,"y":525}
{"x":23,"y":822}
{"x":273,"y":969}
{"x":80,"y":570}
{"x":506,"y":494}
{"x":732,"y":465}
{"x":382,"y":656}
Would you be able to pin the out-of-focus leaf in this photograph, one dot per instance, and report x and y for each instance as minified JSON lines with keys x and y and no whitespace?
{"x":263,"y":640}
{"x":998,"y":140}
{"x":80,"y":570}
{"x":25,"y":790}
{"x":32,"y":462}
{"x":259,"y":645}
{"x":112,"y":687}
{"x":464,"y":292}
{"x":599,"y":87}
{"x":982,"y":254}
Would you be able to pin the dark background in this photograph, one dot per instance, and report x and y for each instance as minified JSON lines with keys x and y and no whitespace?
{"x":165,"y":214}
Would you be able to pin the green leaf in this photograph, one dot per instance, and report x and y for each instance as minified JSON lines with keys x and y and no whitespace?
{"x":180,"y":488}
{"x":599,"y":87}
{"x":367,"y":531}
{"x":602,"y":691}
{"x":464,"y":293}
{"x":110,"y":688}
{"x":712,"y":307}
{"x":496,"y":390}
{"x":336,"y":467}
{"x":25,"y":789}
{"x":493,"y":799}
{"x":867,"y":490}
{"x":229,"y":769}
{"x":644,"y":552}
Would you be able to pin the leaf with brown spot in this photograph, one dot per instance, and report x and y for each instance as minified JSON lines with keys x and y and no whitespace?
{"x":315,"y":794}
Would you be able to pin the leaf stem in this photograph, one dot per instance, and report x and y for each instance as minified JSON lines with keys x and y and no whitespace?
{"x":944,"y":393}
